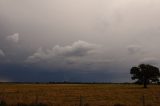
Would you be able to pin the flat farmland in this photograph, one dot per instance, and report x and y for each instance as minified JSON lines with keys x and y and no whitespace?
{"x":80,"y":94}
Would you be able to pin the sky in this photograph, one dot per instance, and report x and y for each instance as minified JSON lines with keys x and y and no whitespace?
{"x":77,"y":40}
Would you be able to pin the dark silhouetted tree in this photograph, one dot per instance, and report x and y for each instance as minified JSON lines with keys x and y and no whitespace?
{"x":145,"y":74}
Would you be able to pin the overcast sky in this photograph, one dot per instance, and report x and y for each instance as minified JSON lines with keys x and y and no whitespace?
{"x":77,"y":40}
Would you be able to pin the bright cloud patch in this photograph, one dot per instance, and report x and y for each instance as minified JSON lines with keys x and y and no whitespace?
{"x":13,"y":38}
{"x":76,"y":50}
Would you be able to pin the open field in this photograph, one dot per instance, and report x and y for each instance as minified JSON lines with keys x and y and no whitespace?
{"x":87,"y":94}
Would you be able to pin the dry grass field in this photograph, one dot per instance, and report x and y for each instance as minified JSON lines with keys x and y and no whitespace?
{"x":73,"y":94}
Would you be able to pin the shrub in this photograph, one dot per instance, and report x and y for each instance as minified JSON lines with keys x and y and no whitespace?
{"x":118,"y":104}
{"x":2,"y":103}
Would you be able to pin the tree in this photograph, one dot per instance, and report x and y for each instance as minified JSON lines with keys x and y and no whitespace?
{"x":145,"y":74}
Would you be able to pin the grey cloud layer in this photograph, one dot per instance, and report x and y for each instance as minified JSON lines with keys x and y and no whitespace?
{"x":2,"y":53}
{"x":133,"y":49}
{"x":128,"y":30}
{"x":151,"y":60}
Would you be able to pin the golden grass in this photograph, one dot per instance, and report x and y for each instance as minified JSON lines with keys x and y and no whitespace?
{"x":69,"y":94}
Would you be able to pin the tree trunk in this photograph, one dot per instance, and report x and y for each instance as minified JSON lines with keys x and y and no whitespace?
{"x":145,"y":83}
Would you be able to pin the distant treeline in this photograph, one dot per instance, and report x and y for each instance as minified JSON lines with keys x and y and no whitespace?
{"x":64,"y":82}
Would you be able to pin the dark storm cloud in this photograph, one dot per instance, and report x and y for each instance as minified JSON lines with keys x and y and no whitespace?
{"x":28,"y":74}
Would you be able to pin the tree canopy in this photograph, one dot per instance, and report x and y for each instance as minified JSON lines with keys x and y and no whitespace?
{"x":145,"y":73}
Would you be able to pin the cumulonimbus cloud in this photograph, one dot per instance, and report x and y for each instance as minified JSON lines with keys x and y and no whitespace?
{"x":13,"y":38}
{"x":77,"y":49}
{"x":2,"y":53}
